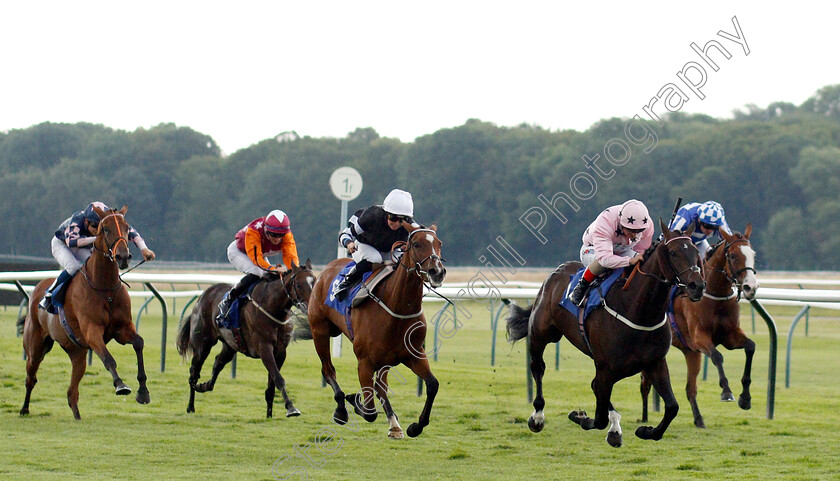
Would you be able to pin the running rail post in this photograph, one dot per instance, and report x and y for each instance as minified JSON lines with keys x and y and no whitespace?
{"x":162,"y":323}
{"x":771,"y":368}
{"x":803,"y":312}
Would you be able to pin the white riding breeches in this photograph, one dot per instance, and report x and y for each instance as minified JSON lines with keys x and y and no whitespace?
{"x":70,"y":259}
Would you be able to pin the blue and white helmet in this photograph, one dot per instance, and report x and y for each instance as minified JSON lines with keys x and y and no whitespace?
{"x":91,"y":214}
{"x":710,"y":213}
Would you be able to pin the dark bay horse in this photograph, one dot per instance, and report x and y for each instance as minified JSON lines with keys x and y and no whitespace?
{"x":265,"y":330}
{"x":701,"y":326}
{"x":383,"y":335}
{"x":97,"y":309}
{"x":630,"y":339}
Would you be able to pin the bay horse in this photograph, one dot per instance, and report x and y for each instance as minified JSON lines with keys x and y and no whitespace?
{"x":626,"y":334}
{"x":265,"y":330}
{"x":698,"y":327}
{"x":386,"y":331}
{"x":97,"y":309}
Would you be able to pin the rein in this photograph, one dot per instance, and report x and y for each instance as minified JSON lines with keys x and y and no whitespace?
{"x":295,"y":300}
{"x":733,"y":279}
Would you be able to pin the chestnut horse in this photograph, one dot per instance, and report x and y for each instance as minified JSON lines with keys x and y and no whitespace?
{"x":386,"y":331}
{"x":626,"y":334}
{"x":97,"y":309}
{"x":265,"y":331}
{"x":701,"y":326}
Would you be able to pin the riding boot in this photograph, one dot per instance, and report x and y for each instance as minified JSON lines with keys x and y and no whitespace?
{"x":352,"y":277}
{"x":55,"y":293}
{"x":579,"y":292}
{"x":234,"y":293}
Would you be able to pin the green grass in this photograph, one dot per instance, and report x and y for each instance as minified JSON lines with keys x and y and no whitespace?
{"x":478,"y":428}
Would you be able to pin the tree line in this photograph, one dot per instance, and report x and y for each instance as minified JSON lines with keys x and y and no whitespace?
{"x":777,"y":167}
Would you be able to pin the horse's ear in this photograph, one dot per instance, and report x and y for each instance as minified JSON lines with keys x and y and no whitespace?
{"x":123,"y":209}
{"x":690,"y":229}
{"x":725,"y":235}
{"x":748,"y":230}
{"x":308,"y":264}
{"x":295,"y":267}
{"x":99,"y":212}
{"x":410,"y":228}
{"x":433,"y":227}
{"x":664,"y":229}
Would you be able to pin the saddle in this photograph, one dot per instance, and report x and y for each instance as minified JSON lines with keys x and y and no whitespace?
{"x":358,"y":293}
{"x":231,"y":321}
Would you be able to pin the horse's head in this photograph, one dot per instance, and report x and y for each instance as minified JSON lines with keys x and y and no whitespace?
{"x":679,"y":261}
{"x":112,"y":236}
{"x":298,"y":283}
{"x":422,"y":254}
{"x":739,"y":259}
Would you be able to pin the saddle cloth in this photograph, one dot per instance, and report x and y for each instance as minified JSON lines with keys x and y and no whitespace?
{"x":597,"y":290}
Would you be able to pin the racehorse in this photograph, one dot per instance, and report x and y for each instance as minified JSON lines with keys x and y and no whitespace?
{"x":97,"y":309}
{"x":386,"y":331}
{"x":626,"y":334}
{"x":265,"y":331}
{"x":698,"y":327}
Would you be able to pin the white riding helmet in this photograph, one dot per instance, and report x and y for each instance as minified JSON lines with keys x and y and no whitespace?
{"x":634,"y":215}
{"x":399,"y":202}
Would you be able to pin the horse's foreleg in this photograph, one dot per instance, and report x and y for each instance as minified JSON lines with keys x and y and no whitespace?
{"x":395,"y":431}
{"x":79,"y":362}
{"x":536,"y":422}
{"x":142,"y":391}
{"x":739,"y":340}
{"x":661,"y":379}
{"x":644,"y":388}
{"x":222,"y":359}
{"x":94,"y":338}
{"x":717,"y":359}
{"x":420,"y":367}
{"x":692,"y":361}
{"x":272,"y":362}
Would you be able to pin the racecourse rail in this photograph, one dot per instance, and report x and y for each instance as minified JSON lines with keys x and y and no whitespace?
{"x":496,"y":297}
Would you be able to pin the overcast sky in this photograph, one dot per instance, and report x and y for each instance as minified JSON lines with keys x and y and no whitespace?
{"x":245,"y":71}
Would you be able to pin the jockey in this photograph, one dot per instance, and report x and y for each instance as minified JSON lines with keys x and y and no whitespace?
{"x":708,"y":219}
{"x":617,"y":238}
{"x":72,"y":245}
{"x":372,"y":232}
{"x":263,"y":237}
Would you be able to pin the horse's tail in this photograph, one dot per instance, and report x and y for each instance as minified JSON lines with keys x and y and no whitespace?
{"x":20,"y":322}
{"x":302,"y":331}
{"x":517,"y":322}
{"x":182,"y":341}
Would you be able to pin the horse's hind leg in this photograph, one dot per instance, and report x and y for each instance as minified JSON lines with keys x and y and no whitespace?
{"x":644,"y":388}
{"x":661,"y":379}
{"x":200,"y":347}
{"x":222,"y":359}
{"x":321,"y":340}
{"x":693,"y":360}
{"x":36,"y":347}
{"x":77,"y":358}
{"x":420,"y":367}
{"x":273,"y":361}
{"x":536,"y":422}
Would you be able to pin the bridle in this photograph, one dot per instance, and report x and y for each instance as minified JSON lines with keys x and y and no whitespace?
{"x":110,"y":252}
{"x":292,"y":296}
{"x":417,"y":266}
{"x":729,"y":272}
{"x":676,"y":280}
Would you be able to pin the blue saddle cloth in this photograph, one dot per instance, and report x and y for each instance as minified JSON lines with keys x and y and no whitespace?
{"x":597,"y":291}
{"x":232,"y":319}
{"x":344,"y":306}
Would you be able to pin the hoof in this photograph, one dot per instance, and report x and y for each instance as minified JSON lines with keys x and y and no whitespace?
{"x":24,"y":411}
{"x":577,"y":416}
{"x":395,"y":433}
{"x":292,"y":412}
{"x":123,"y":390}
{"x":340,"y":416}
{"x":744,"y":402}
{"x":727,"y":397}
{"x":698,"y":421}
{"x":143,"y":396}
{"x":414,"y":430}
{"x":190,"y":409}
{"x":534,"y":426}
{"x":647,"y":432}
{"x":614,"y":439}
